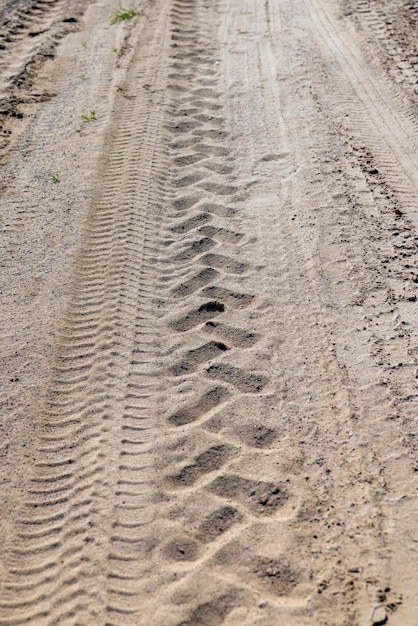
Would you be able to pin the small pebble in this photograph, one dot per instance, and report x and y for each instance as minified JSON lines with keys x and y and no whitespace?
{"x":379,"y":616}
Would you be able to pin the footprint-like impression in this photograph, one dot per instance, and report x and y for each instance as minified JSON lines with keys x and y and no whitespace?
{"x":223,"y":263}
{"x":200,"y":355}
{"x":233,"y":336}
{"x":232,"y":298}
{"x":211,"y":133}
{"x":218,"y":523}
{"x":183,"y":203}
{"x":180,"y":78}
{"x":221,"y":234}
{"x":206,"y":311}
{"x":278,"y":576}
{"x":209,"y":461}
{"x":206,"y":104}
{"x":214,"y":612}
{"x":189,"y":159}
{"x":185,"y":142}
{"x":218,"y":209}
{"x":192,"y":412}
{"x":210,"y":150}
{"x":244,"y":381}
{"x":185,"y":548}
{"x":219,"y":189}
{"x":207,"y":93}
{"x":189,"y":179}
{"x":272,"y":575}
{"x":204,"y":117}
{"x":257,"y":435}
{"x":218,"y":168}
{"x":191,"y":223}
{"x":259,"y":497}
{"x":182,"y":127}
{"x":195,"y":249}
{"x":188,"y":287}
{"x":182,"y":113}
{"x":181,"y":549}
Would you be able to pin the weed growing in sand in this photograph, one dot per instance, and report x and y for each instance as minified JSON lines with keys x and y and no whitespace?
{"x":55,"y":178}
{"x":84,"y":44}
{"x":121,"y":14}
{"x":82,"y":75}
{"x":116,"y":51}
{"x":89,"y":117}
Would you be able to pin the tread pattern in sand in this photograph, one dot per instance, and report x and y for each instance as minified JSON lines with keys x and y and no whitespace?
{"x":212,"y":499}
{"x":234,"y":355}
{"x":29,"y":33}
{"x":79,"y":550}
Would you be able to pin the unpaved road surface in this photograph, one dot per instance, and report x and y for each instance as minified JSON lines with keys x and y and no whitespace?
{"x":209,"y":313}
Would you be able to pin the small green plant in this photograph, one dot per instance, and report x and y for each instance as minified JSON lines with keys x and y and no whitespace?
{"x":84,"y":44}
{"x":120,"y":15}
{"x":89,"y":116}
{"x":55,"y":178}
{"x":82,"y":75}
{"x":116,"y":51}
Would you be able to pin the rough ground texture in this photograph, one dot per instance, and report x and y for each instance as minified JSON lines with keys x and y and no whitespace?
{"x":209,"y":318}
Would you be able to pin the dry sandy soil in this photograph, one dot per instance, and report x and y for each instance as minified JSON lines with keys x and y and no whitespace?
{"x":209,"y":318}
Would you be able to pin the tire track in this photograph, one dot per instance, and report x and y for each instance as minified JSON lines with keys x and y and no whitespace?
{"x":390,"y":124}
{"x":80,"y":544}
{"x":228,"y":371}
{"x":371,"y":191}
{"x":188,"y":153}
{"x":387,"y":33}
{"x":29,"y":34}
{"x":212,"y":501}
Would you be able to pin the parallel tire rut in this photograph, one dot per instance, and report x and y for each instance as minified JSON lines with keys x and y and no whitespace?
{"x":91,"y":486}
{"x":29,"y":34}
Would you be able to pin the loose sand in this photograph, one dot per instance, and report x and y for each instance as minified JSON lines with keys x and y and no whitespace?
{"x":209,"y":313}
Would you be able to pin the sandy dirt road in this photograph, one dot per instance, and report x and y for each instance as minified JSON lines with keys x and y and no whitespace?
{"x":209,"y":318}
